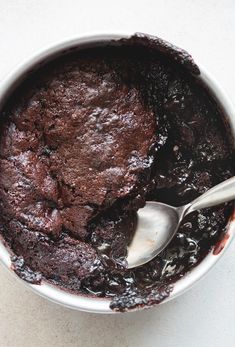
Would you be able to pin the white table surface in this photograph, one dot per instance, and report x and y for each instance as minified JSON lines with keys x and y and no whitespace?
{"x":204,"y":316}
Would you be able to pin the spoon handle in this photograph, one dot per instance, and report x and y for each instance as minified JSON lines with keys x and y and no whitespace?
{"x":223,"y":192}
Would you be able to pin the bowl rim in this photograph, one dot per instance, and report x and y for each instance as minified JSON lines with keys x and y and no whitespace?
{"x":79,"y":301}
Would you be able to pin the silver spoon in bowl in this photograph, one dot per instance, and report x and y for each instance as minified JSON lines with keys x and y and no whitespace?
{"x":157,"y":222}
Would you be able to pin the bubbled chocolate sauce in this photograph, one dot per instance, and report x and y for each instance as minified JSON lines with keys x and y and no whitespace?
{"x":84,"y":142}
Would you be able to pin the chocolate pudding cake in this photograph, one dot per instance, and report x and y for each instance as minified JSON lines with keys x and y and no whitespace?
{"x":84,"y":142}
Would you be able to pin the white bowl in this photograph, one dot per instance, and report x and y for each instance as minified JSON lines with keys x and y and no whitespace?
{"x":83,"y":302}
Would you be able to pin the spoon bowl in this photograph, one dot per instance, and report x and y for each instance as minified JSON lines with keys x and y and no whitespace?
{"x":150,"y":237}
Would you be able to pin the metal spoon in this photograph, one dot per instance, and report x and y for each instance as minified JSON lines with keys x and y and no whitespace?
{"x":158,"y":223}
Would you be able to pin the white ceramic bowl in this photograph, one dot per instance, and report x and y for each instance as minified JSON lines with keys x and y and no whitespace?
{"x":83,"y":302}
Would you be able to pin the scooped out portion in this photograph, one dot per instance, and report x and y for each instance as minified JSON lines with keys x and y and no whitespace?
{"x":84,"y":142}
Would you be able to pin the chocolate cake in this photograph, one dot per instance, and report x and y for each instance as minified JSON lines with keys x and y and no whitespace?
{"x":84,"y":142}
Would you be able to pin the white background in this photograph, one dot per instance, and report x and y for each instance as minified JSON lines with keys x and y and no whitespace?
{"x":205,"y":316}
